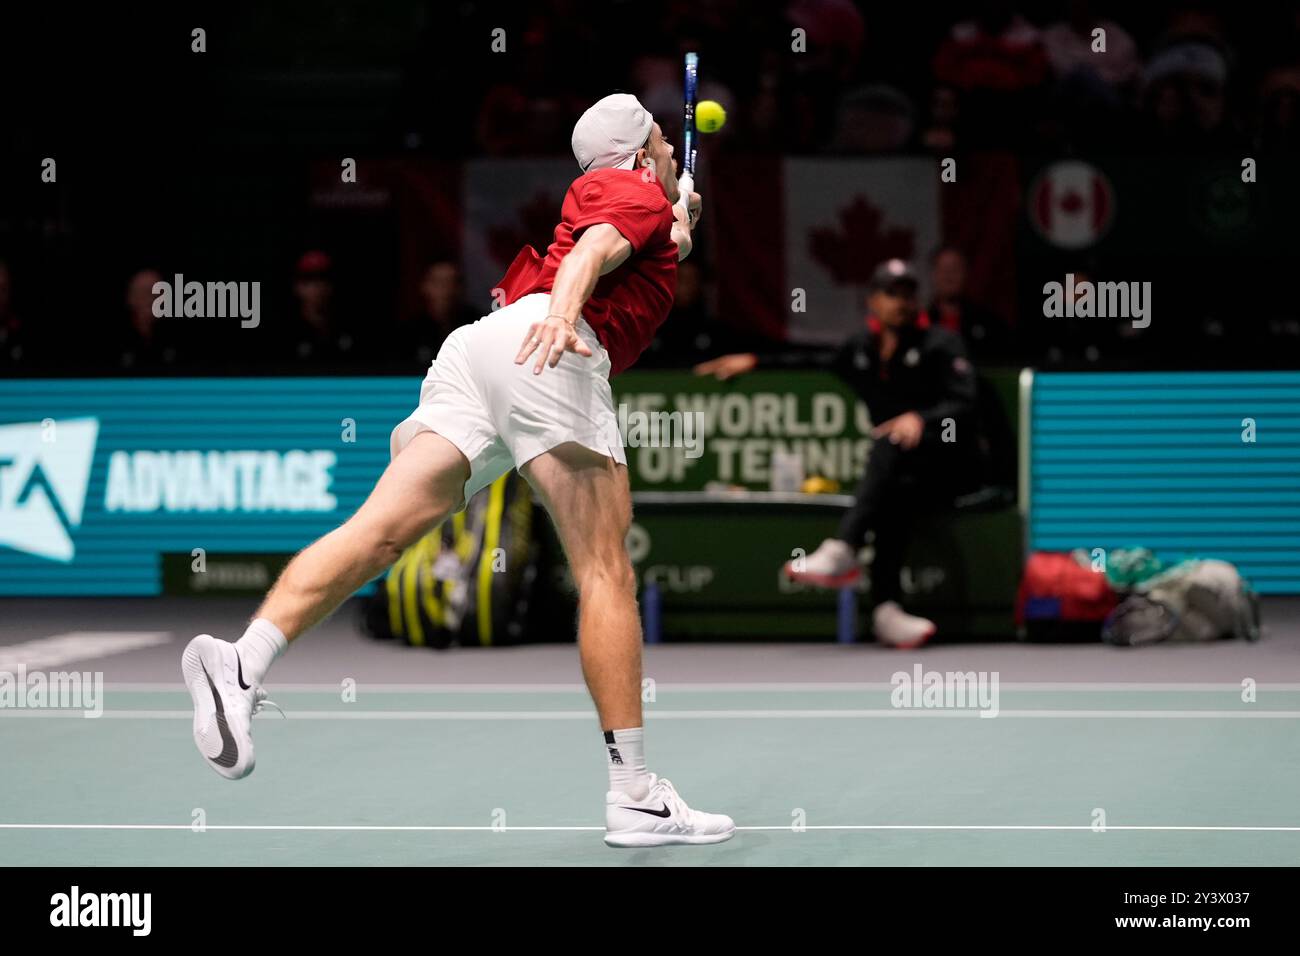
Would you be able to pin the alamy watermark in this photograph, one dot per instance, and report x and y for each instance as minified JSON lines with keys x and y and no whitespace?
{"x":208,"y":300}
{"x":647,"y":429}
{"x":1085,"y":299}
{"x":946,"y":690}
{"x":78,"y":908}
{"x":60,"y":690}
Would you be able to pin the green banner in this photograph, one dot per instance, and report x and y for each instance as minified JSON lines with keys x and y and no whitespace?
{"x":717,"y":560}
{"x":689,"y":433}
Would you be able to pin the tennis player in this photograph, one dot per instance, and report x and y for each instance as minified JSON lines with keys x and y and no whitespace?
{"x":526,"y":387}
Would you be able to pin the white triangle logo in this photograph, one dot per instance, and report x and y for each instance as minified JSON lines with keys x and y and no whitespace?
{"x":44,"y":473}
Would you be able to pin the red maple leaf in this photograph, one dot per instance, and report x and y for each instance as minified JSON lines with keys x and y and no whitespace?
{"x":851,"y":251}
{"x":534,"y":226}
{"x":1072,"y":202}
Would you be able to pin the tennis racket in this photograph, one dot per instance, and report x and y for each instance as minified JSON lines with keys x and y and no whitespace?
{"x":686,"y":182}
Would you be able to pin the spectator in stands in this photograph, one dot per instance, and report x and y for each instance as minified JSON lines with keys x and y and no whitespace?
{"x":983,"y":332}
{"x":443,"y":309}
{"x":1278,"y":111}
{"x":530,"y":105}
{"x":940,"y":134}
{"x":1184,"y":95}
{"x":503,"y":121}
{"x":812,"y":81}
{"x":15,"y":333}
{"x":315,"y":332}
{"x":1069,"y":47}
{"x":1081,"y":343}
{"x":873,"y":119}
{"x":144,"y":343}
{"x":834,"y":31}
{"x":691,"y":332}
{"x":1089,"y":103}
{"x":997,"y":64}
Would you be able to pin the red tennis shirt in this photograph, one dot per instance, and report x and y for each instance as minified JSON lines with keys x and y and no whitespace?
{"x":630,"y":303}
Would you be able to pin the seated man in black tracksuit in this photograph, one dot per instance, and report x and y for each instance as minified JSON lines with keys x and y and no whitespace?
{"x":920,"y":390}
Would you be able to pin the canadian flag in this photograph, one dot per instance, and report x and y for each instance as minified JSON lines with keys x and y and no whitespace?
{"x":787,"y":244}
{"x":508,"y":203}
{"x":796,"y":240}
{"x":1071,"y":204}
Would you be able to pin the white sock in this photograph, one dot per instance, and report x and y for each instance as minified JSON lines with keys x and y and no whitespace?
{"x":261,"y":644}
{"x":625,"y":750}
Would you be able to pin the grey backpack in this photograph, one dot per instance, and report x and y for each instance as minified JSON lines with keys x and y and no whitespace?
{"x":1201,"y":600}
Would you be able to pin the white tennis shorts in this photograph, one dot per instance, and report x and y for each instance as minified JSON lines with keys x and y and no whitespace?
{"x":499,"y":414}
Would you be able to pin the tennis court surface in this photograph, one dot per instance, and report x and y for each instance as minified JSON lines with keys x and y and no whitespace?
{"x":390,"y":755}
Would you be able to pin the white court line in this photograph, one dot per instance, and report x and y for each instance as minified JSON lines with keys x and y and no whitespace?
{"x":809,"y":687}
{"x":652,"y":714}
{"x":60,"y":649}
{"x":559,"y":829}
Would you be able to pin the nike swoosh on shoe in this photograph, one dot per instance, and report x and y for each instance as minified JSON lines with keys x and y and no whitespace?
{"x":229,"y":755}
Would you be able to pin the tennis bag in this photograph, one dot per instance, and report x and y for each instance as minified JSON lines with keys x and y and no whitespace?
{"x":468,"y":582}
{"x":1198,"y":600}
{"x":1062,"y":599}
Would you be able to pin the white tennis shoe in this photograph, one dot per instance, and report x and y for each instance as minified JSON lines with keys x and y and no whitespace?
{"x":895,"y":627}
{"x":224,"y":705}
{"x":661,"y":819}
{"x":833,"y":565}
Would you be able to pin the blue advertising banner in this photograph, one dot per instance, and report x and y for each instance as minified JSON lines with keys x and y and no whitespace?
{"x":1188,"y":464}
{"x":109,"y":486}
{"x":99,"y":478}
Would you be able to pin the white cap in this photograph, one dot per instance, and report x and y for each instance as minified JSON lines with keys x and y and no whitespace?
{"x":608,"y":135}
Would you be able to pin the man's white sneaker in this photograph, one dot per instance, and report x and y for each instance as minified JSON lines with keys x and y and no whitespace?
{"x":897,"y":628}
{"x":224,"y":705}
{"x":661,"y":819}
{"x":833,"y":565}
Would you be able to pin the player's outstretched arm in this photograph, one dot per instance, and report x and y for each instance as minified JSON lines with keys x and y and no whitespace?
{"x":600,"y":249}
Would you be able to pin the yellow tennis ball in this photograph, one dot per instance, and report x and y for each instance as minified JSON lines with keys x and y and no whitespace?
{"x":709,"y":116}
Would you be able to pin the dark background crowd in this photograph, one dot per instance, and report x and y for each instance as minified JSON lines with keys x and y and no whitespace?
{"x":168,"y":161}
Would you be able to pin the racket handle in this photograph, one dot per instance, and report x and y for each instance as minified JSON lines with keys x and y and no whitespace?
{"x":685,"y":186}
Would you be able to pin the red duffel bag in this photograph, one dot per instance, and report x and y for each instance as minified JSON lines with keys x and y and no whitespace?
{"x":1062,"y":600}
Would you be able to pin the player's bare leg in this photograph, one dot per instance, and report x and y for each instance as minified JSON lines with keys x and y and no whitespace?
{"x":421,"y":487}
{"x":588,"y":498}
{"x":418,"y":490}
